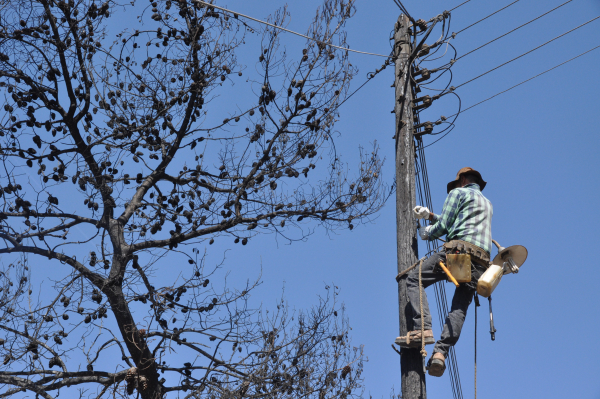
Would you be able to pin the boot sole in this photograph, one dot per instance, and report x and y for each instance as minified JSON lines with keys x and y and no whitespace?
{"x":414,"y":344}
{"x":437,"y":368}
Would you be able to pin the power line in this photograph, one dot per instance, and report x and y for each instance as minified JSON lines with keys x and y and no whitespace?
{"x":459,"y":5}
{"x":483,"y":19}
{"x":287,"y":30}
{"x":370,"y":76}
{"x":524,"y":54}
{"x":525,"y":81}
{"x":518,"y":27}
{"x":403,"y":9}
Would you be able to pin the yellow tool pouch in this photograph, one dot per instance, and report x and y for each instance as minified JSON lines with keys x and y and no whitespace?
{"x":459,"y":266}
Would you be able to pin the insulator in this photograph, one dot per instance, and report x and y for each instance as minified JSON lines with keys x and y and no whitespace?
{"x":421,"y":24}
{"x":424,"y":50}
{"x":425,"y":74}
{"x":427,"y":128}
{"x":426,"y":103}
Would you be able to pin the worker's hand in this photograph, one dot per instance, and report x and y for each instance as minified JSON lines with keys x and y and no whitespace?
{"x":421,"y":212}
{"x":424,"y":232}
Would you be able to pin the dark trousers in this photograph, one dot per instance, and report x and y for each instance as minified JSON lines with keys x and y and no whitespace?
{"x":432,"y":273}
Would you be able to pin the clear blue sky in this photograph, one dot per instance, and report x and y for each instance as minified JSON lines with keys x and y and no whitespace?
{"x":535,"y":145}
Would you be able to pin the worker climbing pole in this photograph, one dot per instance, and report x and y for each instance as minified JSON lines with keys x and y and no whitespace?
{"x":411,"y":362}
{"x":464,"y":258}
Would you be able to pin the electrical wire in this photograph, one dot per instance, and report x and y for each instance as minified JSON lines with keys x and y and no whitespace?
{"x":459,"y":5}
{"x":483,"y":19}
{"x":404,"y":10}
{"x":524,"y":54}
{"x":518,"y":27}
{"x":287,"y":30}
{"x":370,"y":77}
{"x":525,"y":81}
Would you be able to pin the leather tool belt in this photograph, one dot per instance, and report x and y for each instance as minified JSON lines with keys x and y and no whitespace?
{"x":480,"y":255}
{"x":460,"y":254}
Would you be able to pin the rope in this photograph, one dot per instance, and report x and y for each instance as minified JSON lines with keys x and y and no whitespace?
{"x":287,"y":30}
{"x":423,"y":351}
{"x":403,"y":272}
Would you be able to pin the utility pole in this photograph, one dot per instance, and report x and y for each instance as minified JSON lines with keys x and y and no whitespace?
{"x":411,"y":362}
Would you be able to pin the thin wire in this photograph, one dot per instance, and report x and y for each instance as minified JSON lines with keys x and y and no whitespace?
{"x":524,"y":54}
{"x":483,"y":19}
{"x":370,"y":77}
{"x":430,"y":144}
{"x":459,"y":5}
{"x":476,"y":303}
{"x":403,"y":9}
{"x":518,"y":27}
{"x":525,"y":81}
{"x":287,"y":30}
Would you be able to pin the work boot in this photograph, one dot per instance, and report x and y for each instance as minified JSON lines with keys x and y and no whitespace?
{"x":437,"y":365}
{"x":413,"y":339}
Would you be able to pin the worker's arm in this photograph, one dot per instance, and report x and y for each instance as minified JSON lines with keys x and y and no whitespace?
{"x":448,"y":216}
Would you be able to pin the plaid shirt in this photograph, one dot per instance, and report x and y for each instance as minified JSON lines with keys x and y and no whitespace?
{"x":467,"y":216}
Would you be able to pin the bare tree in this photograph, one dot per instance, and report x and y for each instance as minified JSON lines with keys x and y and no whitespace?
{"x":131,"y":168}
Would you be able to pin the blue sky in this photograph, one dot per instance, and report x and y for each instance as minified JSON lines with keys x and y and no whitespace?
{"x":535,"y":145}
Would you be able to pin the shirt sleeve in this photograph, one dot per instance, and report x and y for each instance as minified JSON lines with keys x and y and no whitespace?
{"x":448,"y":216}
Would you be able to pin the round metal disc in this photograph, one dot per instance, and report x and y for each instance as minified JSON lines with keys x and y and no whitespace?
{"x":518,"y":253}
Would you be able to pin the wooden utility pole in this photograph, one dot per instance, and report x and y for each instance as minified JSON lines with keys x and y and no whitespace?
{"x":411,"y":362}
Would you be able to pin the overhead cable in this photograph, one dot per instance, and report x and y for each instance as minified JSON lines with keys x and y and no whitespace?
{"x":483,"y":19}
{"x":459,"y":5}
{"x":518,"y":27}
{"x":235,"y":13}
{"x":403,"y":9}
{"x":524,"y":54}
{"x":525,"y":81}
{"x":510,"y":88}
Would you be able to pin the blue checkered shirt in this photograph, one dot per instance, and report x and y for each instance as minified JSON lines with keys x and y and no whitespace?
{"x":467,"y":216}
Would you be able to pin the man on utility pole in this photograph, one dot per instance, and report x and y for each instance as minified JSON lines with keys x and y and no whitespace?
{"x":411,"y":362}
{"x":466,"y":219}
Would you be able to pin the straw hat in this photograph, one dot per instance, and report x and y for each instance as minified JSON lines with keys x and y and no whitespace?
{"x":454,"y":183}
